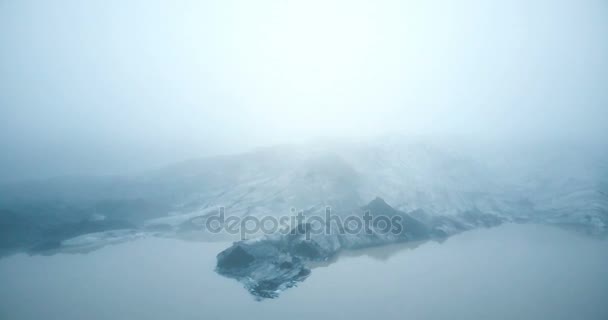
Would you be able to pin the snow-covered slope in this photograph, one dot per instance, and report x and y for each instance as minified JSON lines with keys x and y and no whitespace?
{"x":540,"y":186}
{"x":556,"y":184}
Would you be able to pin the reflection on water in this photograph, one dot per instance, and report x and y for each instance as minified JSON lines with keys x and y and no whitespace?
{"x":512,"y":271}
{"x":384,"y":252}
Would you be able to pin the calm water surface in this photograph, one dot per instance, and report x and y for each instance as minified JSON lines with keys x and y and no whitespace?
{"x":509,"y":272}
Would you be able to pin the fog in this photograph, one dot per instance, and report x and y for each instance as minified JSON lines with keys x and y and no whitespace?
{"x":133,"y":133}
{"x":103,"y":87}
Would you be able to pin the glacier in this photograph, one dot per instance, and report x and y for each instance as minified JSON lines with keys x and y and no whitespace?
{"x":441,"y":188}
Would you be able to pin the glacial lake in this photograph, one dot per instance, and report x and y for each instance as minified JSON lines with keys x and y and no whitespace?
{"x":507,"y":272}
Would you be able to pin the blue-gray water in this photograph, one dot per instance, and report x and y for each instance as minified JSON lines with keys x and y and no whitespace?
{"x":508,"y":272}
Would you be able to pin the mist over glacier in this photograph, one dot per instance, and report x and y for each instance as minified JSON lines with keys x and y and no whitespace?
{"x":108,"y":87}
{"x":133,"y":134}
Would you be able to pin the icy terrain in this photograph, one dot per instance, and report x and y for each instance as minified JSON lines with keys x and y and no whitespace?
{"x":433,"y":181}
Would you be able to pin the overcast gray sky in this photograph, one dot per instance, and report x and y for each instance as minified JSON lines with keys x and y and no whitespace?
{"x":108,"y":86}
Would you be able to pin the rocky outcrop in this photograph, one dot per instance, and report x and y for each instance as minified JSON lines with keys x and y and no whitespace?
{"x":271,"y":264}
